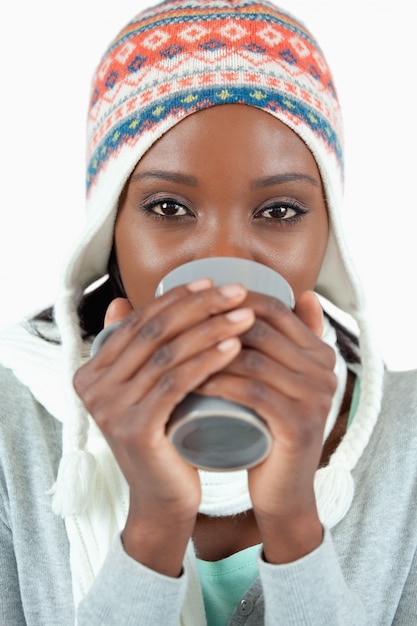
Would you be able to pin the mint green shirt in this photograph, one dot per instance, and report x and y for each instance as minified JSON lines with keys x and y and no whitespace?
{"x":225,"y":582}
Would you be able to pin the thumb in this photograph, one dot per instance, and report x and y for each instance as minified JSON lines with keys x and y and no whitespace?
{"x":309,"y":311}
{"x":118,"y":309}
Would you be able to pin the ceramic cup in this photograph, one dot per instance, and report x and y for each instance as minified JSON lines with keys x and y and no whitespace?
{"x":209,"y":432}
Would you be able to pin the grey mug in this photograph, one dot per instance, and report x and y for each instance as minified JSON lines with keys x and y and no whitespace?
{"x":209,"y":432}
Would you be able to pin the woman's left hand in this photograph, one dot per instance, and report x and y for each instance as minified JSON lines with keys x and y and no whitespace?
{"x":285,"y":374}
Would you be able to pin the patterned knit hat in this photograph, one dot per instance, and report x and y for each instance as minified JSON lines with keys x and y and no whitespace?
{"x":169,"y":62}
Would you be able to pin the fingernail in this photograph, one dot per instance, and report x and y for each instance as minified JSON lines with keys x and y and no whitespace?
{"x":231,"y":291}
{"x":228,"y":344}
{"x":200,"y":284}
{"x":239,"y":315}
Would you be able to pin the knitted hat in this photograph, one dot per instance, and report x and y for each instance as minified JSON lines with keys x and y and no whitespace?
{"x":169,"y":62}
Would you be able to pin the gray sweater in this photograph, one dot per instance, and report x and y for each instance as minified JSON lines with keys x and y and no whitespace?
{"x":364,"y":573}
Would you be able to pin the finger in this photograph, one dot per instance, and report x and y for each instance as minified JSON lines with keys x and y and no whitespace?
{"x":282,"y":412}
{"x":175,"y":384}
{"x":147,"y":416}
{"x":123,"y":322}
{"x":272,"y":313}
{"x":266,"y":339}
{"x":118,"y":309}
{"x":308,"y":310}
{"x":137,"y":381}
{"x":262,"y":338}
{"x":254,"y":365}
{"x":282,"y":318}
{"x":144,"y":331}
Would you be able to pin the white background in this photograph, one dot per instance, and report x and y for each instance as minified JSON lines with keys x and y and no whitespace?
{"x":48,"y":53}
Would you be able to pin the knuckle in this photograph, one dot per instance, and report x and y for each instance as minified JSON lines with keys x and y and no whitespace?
{"x":252,"y":360}
{"x":107,"y":413}
{"x":258,"y":331}
{"x":102,"y":417}
{"x":322,"y":380}
{"x":162,"y":356}
{"x":329,"y":356}
{"x":174,"y":294}
{"x":323,"y":403}
{"x":133,"y":321}
{"x":256,"y":391}
{"x":276,"y":307}
{"x":91,"y":402}
{"x":151,"y":329}
{"x":83,"y":382}
{"x":316,"y":406}
{"x":330,"y":382}
{"x":78,"y":380}
{"x":168,"y":383}
{"x":97,"y":399}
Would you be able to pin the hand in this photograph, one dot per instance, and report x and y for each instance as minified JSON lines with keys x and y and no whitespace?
{"x":285,"y":374}
{"x":160,"y":353}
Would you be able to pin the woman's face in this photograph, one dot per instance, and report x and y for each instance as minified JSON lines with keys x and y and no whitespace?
{"x":226,"y":181}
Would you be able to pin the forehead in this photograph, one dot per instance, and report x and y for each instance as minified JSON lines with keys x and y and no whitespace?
{"x":234,"y":136}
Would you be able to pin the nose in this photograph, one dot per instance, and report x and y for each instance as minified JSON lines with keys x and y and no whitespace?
{"x":226,"y":243}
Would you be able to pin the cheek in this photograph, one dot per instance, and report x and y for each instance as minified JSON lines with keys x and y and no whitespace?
{"x":302,"y":262}
{"x":131,"y":253}
{"x":142,"y":259}
{"x":139,"y":276}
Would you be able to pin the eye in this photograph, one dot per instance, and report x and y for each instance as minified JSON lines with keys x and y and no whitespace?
{"x":167,"y":208}
{"x":282,"y":212}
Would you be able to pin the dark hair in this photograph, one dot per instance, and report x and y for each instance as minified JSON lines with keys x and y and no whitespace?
{"x":347,"y":342}
{"x":93,"y":306}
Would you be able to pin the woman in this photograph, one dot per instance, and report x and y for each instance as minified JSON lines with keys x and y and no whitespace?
{"x":214,"y":130}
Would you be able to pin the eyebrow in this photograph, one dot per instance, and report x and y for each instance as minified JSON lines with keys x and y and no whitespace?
{"x":176,"y":177}
{"x":259,"y":183}
{"x":279,"y":179}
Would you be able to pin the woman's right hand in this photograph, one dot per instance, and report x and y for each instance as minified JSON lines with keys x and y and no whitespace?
{"x":160,"y":353}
